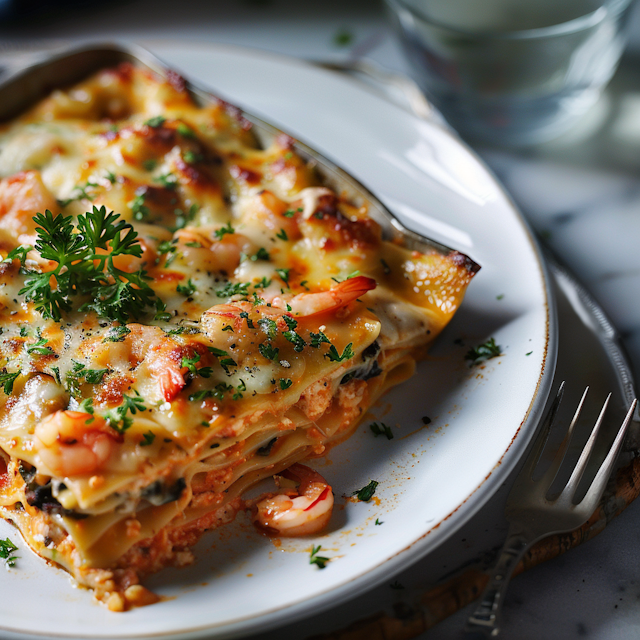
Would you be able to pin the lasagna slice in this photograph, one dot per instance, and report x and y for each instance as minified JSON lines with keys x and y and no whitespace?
{"x":183,"y":313}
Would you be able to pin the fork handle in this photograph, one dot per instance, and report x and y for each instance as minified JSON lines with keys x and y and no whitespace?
{"x":486,"y":618}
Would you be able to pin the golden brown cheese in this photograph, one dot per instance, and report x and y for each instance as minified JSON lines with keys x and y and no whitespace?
{"x":276,"y":315}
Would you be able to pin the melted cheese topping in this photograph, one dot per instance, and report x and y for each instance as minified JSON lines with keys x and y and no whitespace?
{"x":281,"y":315}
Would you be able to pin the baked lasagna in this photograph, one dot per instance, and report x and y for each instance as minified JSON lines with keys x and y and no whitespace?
{"x":183,"y":313}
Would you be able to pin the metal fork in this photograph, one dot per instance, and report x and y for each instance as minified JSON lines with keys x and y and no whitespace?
{"x":533,"y":516}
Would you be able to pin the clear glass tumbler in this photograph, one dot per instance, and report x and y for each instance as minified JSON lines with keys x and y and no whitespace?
{"x":512,"y":72}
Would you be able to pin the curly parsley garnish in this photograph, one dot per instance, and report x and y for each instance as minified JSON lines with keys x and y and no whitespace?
{"x":485,"y":351}
{"x":84,"y":257}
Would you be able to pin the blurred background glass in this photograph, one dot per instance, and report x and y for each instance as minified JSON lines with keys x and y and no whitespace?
{"x":512,"y":72}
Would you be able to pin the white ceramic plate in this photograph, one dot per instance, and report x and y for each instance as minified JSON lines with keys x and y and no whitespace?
{"x":431,"y":478}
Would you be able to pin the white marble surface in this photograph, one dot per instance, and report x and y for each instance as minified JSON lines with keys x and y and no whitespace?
{"x":581,"y":193}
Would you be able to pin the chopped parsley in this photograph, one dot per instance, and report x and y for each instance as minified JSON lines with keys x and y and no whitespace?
{"x":228,"y":327}
{"x":234,"y":289}
{"x":39,"y":348}
{"x":342,"y":38}
{"x":150,"y":164}
{"x":7,"y":379}
{"x":282,"y":234}
{"x":262,"y":284}
{"x":366,"y":493}
{"x":192,"y":158}
{"x":7,"y":549}
{"x":268,"y":352}
{"x":155,"y":122}
{"x":184,"y":218}
{"x":319,"y":561}
{"x":56,"y":374}
{"x":239,"y":389}
{"x":381,"y":429}
{"x":379,"y":521}
{"x":147,"y":438}
{"x":79,"y":372}
{"x":161,"y":311}
{"x":245,"y":315}
{"x":117,"y":334}
{"x":318,"y":338}
{"x":285,"y":383}
{"x":262,"y":254}
{"x":190,"y":363}
{"x":80,"y":193}
{"x":298,"y":343}
{"x":167,"y":180}
{"x":186,"y":289}
{"x":269,"y":326}
{"x":485,"y":351}
{"x":185,"y":130}
{"x":84,"y":257}
{"x":139,"y":208}
{"x":223,"y":231}
{"x":353,"y":274}
{"x":284,"y":274}
{"x":118,"y":418}
{"x":334,"y":356}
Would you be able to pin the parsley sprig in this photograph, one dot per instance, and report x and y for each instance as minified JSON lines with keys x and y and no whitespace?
{"x":84,"y":256}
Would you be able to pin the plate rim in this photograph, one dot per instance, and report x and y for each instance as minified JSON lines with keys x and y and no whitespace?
{"x":466,"y":508}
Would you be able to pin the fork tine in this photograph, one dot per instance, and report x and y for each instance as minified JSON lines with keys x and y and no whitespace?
{"x":551,"y":473}
{"x":581,"y":465}
{"x":594,"y":493}
{"x":541,"y":441}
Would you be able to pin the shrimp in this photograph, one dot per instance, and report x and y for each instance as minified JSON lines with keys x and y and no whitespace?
{"x":164,"y":363}
{"x":309,"y":304}
{"x":223,"y":255}
{"x":74,"y":443}
{"x":21,"y":197}
{"x":296,"y":512}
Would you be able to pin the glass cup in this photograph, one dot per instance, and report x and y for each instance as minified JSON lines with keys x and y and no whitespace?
{"x":512,"y":72}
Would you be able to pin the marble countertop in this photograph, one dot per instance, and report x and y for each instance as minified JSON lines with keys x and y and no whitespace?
{"x":581,"y":193}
